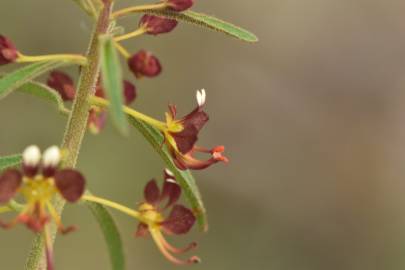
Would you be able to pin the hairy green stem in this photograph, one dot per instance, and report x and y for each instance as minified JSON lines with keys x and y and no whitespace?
{"x":76,"y":127}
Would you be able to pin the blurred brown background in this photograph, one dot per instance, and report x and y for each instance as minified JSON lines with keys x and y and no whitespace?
{"x":312,"y":118}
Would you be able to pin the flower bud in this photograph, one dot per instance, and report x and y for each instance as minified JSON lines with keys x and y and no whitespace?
{"x":63,"y":84}
{"x":155,"y":25}
{"x":129,"y":92}
{"x":179,"y":5}
{"x":144,"y":63}
{"x":8,"y":52}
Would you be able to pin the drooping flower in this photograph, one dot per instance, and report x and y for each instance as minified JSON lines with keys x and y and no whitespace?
{"x":179,"y":221}
{"x":8,"y":51}
{"x":155,"y":25}
{"x":38,"y":181}
{"x":64,"y":85}
{"x":182,"y":134}
{"x":144,"y":63}
{"x":179,"y":5}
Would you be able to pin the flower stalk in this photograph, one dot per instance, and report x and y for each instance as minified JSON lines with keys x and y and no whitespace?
{"x":124,"y":52}
{"x":74,"y":58}
{"x":117,"y":206}
{"x":138,"y":32}
{"x":140,"y":116}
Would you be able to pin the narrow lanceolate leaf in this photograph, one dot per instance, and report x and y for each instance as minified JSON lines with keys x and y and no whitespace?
{"x":209,"y":22}
{"x":44,"y":92}
{"x":15,"y":79}
{"x":112,"y":82}
{"x":111,"y":235}
{"x":9,"y":161}
{"x":184,"y":178}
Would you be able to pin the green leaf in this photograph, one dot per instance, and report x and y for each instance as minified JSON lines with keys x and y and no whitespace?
{"x":15,"y":79}
{"x":42,"y":91}
{"x":112,"y":82}
{"x":111,"y":234}
{"x":209,"y":22}
{"x":184,"y":178}
{"x":10,"y":161}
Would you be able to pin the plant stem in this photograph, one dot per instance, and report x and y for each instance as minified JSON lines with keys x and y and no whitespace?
{"x":76,"y":127}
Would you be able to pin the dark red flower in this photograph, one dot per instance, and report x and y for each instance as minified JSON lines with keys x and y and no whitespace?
{"x":179,"y":5}
{"x":179,"y":221}
{"x":38,"y":182}
{"x":130,"y":92}
{"x":144,"y":63}
{"x":182,"y":135}
{"x":63,"y":84}
{"x":8,"y":52}
{"x":155,"y":25}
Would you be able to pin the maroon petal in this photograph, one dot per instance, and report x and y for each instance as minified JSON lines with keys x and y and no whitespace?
{"x":157,"y":25}
{"x":186,"y":138}
{"x":171,"y":190}
{"x":8,"y":52}
{"x":180,"y":220}
{"x":70,"y":184}
{"x":196,"y":118}
{"x":152,"y":192}
{"x":129,"y":92}
{"x":142,"y":230}
{"x":179,"y":5}
{"x":63,"y":84}
{"x":10,"y":181}
{"x":173,"y":111}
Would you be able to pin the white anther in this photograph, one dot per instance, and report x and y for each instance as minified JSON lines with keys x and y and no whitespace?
{"x":169,"y":172}
{"x":31,"y":156}
{"x":170,"y":180}
{"x":51,"y":157}
{"x":201,"y":96}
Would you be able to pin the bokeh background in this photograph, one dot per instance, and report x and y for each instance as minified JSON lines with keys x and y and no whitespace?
{"x":312,"y":117}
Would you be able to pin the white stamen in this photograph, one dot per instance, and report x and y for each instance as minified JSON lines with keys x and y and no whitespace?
{"x":51,"y":157}
{"x":201,"y":96}
{"x":198,"y":97}
{"x":31,"y":156}
{"x":170,"y":180}
{"x":169,"y":172}
{"x":170,"y":176}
